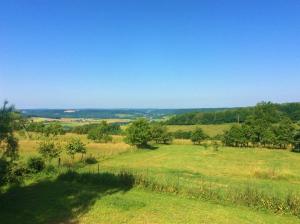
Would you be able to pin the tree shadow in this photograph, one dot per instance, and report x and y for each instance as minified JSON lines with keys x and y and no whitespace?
{"x":148,"y":146}
{"x":60,"y":200}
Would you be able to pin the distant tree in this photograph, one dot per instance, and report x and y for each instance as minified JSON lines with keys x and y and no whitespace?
{"x":179,"y":134}
{"x":296,"y":142}
{"x":100,"y":133}
{"x":49,"y":150}
{"x":74,"y":146}
{"x":268,"y":137}
{"x":198,"y":136}
{"x":138,"y":133}
{"x":8,"y":142}
{"x":234,"y":136}
{"x":284,"y":133}
{"x":160,"y":134}
{"x":53,"y":128}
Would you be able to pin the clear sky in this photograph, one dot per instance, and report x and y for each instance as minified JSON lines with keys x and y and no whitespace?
{"x":155,"y":53}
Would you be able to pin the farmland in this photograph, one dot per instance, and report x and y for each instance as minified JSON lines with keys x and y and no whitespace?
{"x":185,"y":166}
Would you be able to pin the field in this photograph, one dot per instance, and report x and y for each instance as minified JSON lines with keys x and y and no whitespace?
{"x":166,"y":186}
{"x":210,"y":129}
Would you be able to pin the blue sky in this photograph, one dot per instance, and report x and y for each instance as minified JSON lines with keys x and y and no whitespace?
{"x":162,"y":54}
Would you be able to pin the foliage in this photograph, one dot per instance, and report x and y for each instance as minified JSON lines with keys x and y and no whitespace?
{"x":75,"y":145}
{"x":160,"y":134}
{"x":182,"y":134}
{"x":198,"y":136}
{"x":112,"y":129}
{"x":49,"y":150}
{"x":297,"y":141}
{"x":100,"y":133}
{"x":138,"y":133}
{"x":36,"y":164}
{"x":260,"y":130}
{"x":46,"y":128}
{"x":8,"y":119}
{"x":239,"y":115}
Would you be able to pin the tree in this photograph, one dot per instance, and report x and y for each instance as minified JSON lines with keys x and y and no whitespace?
{"x":8,"y":142}
{"x":198,"y":136}
{"x":138,"y":133}
{"x":296,"y":142}
{"x":160,"y":134}
{"x":49,"y":150}
{"x":54,"y":128}
{"x":284,"y":133}
{"x":100,"y":133}
{"x":75,"y":145}
{"x":234,"y":136}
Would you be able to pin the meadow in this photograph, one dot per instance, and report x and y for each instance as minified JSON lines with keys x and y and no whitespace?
{"x":177,"y":183}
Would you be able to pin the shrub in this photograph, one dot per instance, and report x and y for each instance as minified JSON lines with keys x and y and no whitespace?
{"x":36,"y":164}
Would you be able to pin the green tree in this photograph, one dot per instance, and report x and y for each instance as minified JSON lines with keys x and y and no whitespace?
{"x":198,"y":136}
{"x":75,"y":145}
{"x":160,"y":134}
{"x":100,"y":133}
{"x":234,"y":136}
{"x":296,"y":142}
{"x":8,"y":142}
{"x":138,"y":133}
{"x":284,"y":133}
{"x":49,"y":150}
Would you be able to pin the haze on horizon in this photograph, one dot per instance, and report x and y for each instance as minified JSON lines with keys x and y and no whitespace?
{"x":149,"y":54}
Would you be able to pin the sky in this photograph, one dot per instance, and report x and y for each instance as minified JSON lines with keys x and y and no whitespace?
{"x":149,"y":54}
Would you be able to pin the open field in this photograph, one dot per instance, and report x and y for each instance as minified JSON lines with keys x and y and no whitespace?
{"x":73,"y":122}
{"x":226,"y":172}
{"x":210,"y":129}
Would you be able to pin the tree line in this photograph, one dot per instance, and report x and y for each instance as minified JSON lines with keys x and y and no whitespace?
{"x":238,"y":115}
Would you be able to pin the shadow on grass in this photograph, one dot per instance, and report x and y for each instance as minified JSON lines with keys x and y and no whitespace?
{"x":60,"y":200}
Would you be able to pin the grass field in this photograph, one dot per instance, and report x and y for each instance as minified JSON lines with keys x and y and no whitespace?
{"x":227,"y":172}
{"x":211,"y":129}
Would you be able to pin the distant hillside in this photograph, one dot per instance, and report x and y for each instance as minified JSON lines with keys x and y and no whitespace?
{"x":111,"y":113}
{"x":291,"y":110}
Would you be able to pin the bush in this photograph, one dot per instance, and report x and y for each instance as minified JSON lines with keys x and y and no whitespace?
{"x":36,"y":164}
{"x":4,"y":170}
{"x":17,"y":171}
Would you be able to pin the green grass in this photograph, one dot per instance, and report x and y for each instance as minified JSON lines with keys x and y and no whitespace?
{"x":105,"y":198}
{"x":210,"y":129}
{"x":169,"y":181}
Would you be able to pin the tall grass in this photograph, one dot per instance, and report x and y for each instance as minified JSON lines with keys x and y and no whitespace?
{"x":249,"y":196}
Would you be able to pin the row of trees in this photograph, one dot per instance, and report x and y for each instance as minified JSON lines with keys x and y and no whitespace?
{"x":262,"y":129}
{"x":141,"y":132}
{"x":47,"y":129}
{"x":240,"y":115}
